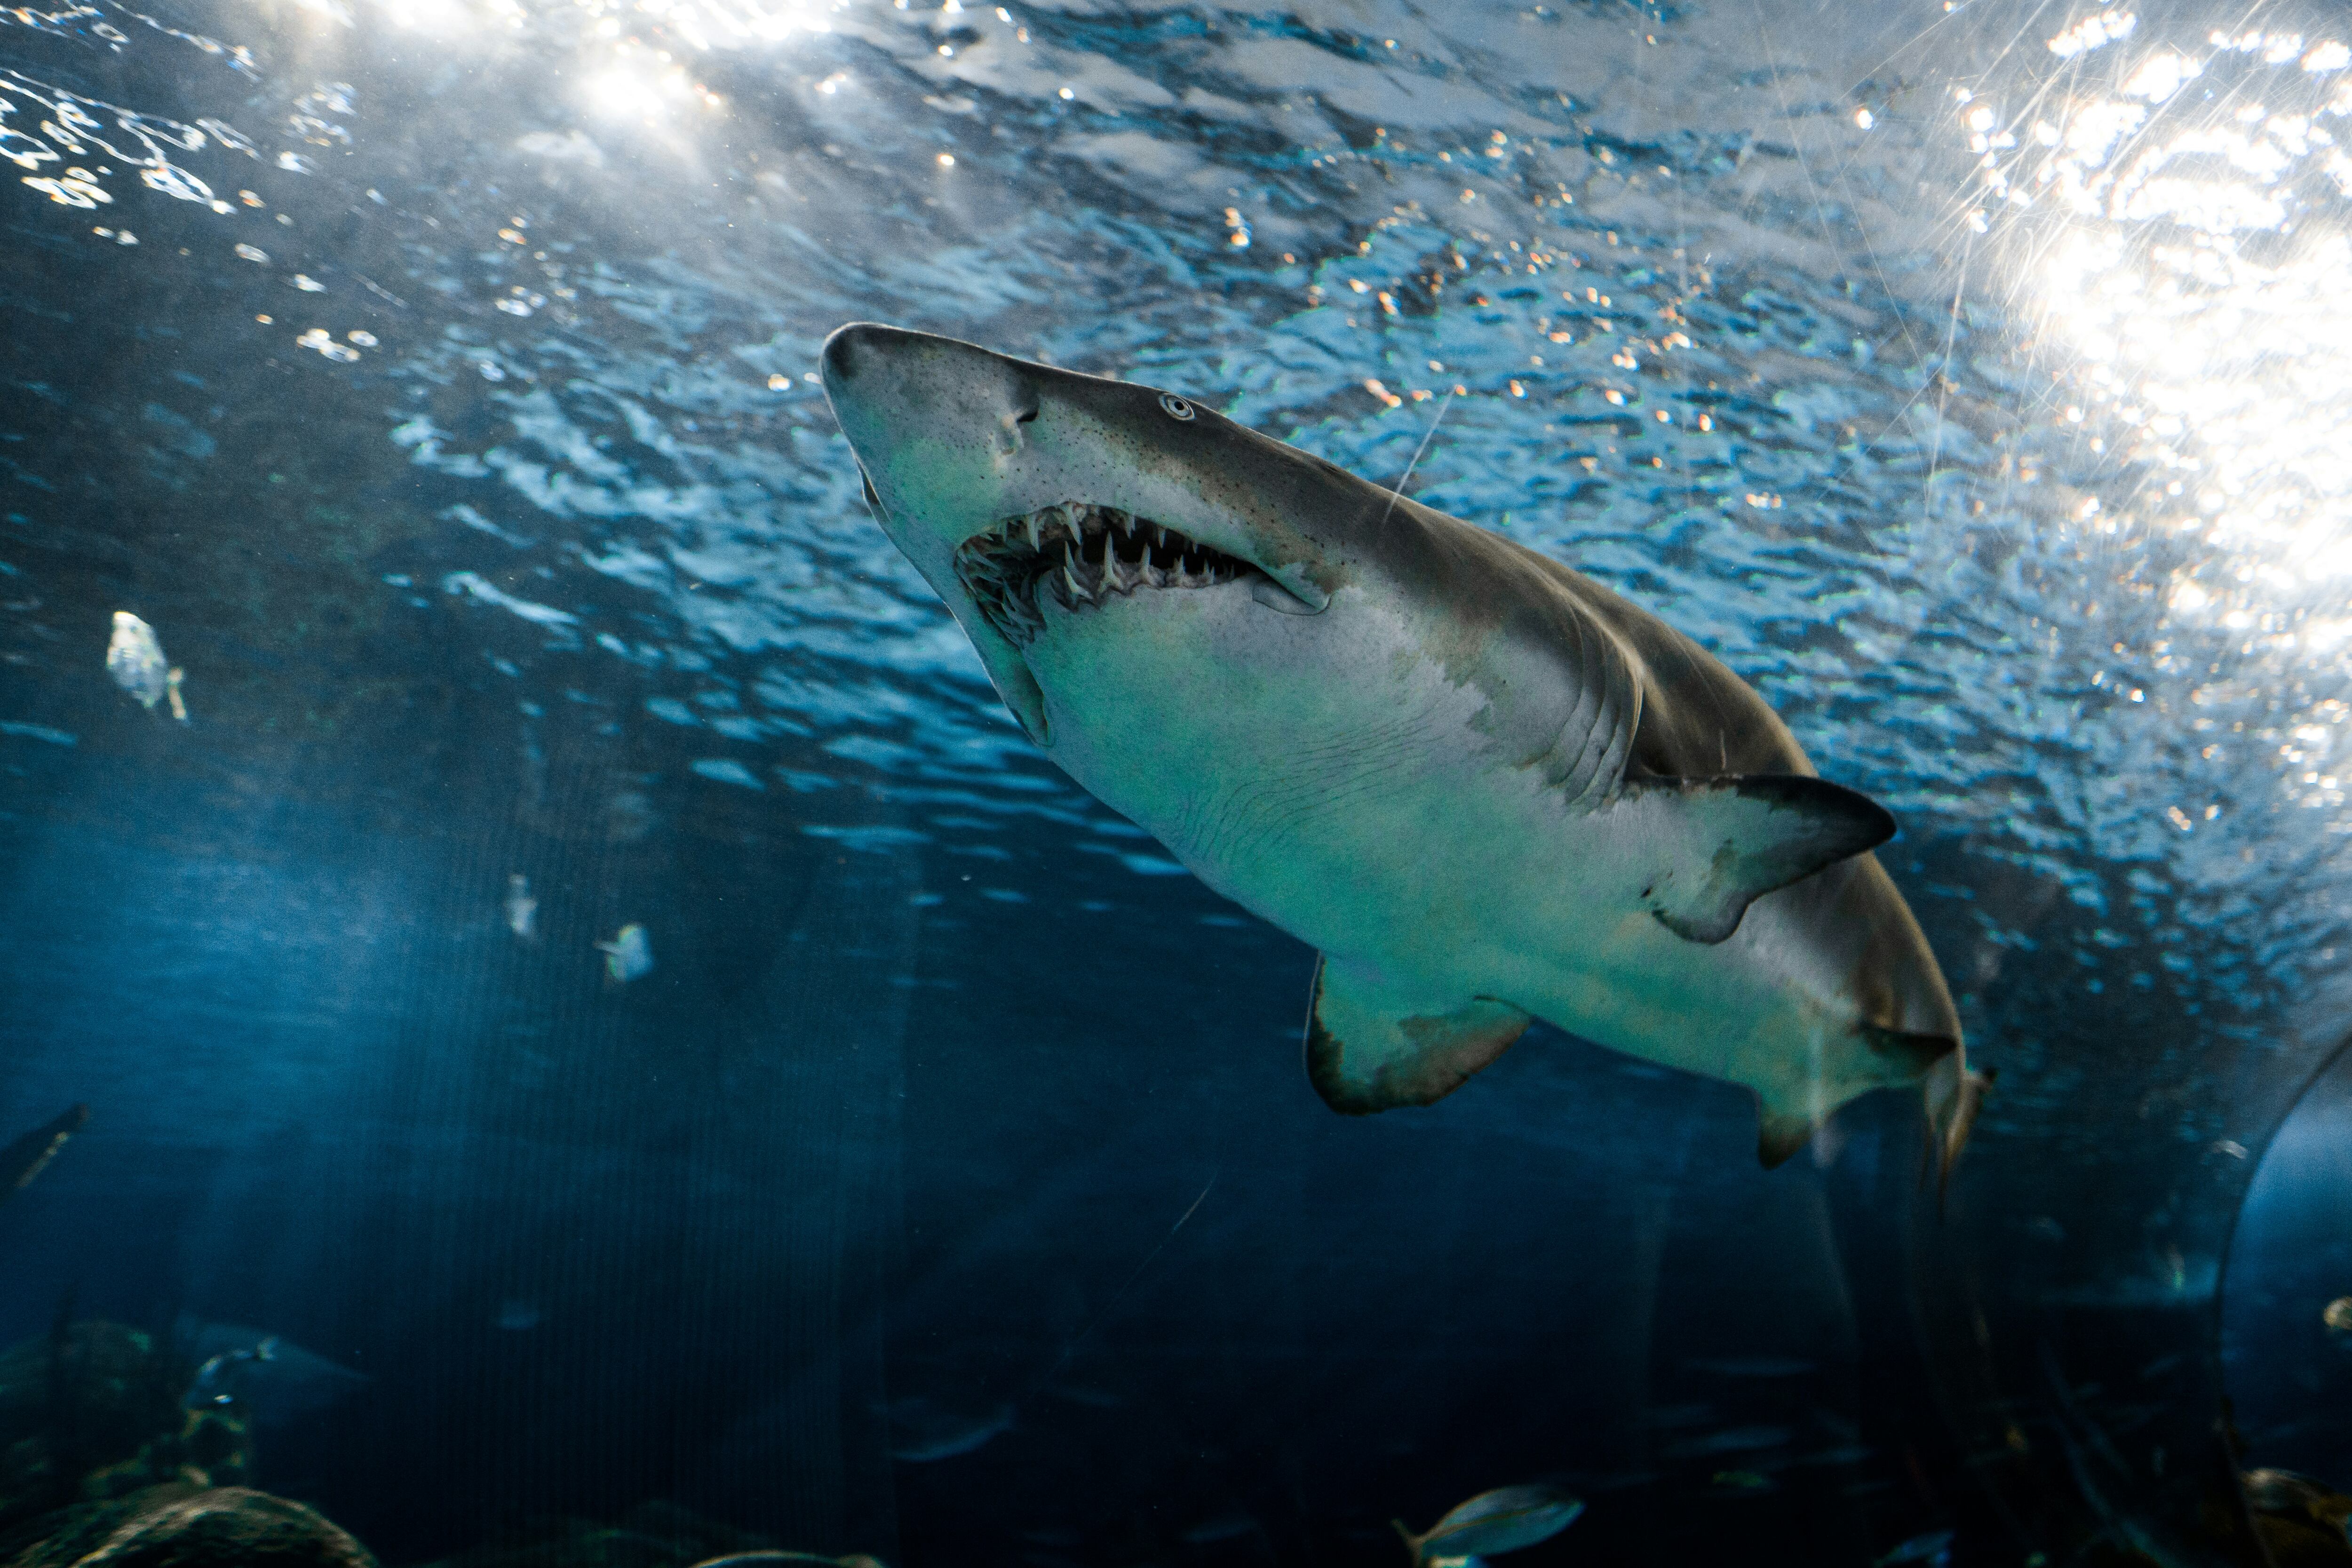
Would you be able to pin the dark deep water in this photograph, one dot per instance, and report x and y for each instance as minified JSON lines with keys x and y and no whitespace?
{"x":949,"y":1189}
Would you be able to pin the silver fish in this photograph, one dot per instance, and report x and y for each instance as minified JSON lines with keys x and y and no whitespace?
{"x":628,"y":955}
{"x":135,"y":660}
{"x":1492,"y":1523}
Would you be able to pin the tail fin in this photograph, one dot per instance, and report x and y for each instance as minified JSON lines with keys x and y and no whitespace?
{"x":1954,"y":1095}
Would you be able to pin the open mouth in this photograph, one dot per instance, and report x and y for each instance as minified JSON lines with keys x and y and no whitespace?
{"x":1081,"y":556}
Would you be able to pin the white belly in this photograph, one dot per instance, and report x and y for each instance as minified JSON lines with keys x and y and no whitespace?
{"x":1322,"y":774}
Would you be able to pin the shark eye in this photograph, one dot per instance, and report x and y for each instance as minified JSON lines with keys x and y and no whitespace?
{"x":1174,"y":406}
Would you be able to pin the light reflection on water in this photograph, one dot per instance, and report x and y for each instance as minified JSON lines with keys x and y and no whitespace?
{"x":1708,"y":299}
{"x":2177,"y":217}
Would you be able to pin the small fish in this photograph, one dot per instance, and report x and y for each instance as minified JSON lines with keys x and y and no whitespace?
{"x":270,"y":1379}
{"x":1934,"y":1547}
{"x":2284,"y":1494}
{"x":761,"y":1558}
{"x":627,"y":955}
{"x":215,"y":1382}
{"x":30,"y":1155}
{"x":1491,"y":1523}
{"x":518,"y":1316}
{"x":1743,"y":1481}
{"x":1733,"y":1440}
{"x":1755,"y":1366}
{"x":173,"y":679}
{"x":522,"y":909}
{"x":923,"y":1432}
{"x":135,"y":660}
{"x":1845,"y":1454}
{"x":1224,"y":1527}
{"x":2338,"y":1315}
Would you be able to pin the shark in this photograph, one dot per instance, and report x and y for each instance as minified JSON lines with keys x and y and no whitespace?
{"x":1483,"y":787}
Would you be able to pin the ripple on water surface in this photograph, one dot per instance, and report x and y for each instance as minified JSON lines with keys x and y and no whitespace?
{"x":1977,"y":401}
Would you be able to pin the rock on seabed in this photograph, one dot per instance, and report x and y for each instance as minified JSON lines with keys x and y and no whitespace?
{"x":181,"y":1526}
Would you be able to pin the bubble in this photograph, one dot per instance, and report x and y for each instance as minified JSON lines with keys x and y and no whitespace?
{"x":25,"y":152}
{"x":229,"y":136}
{"x":74,"y":188}
{"x":177,"y":183}
{"x":66,"y":188}
{"x":317,"y":338}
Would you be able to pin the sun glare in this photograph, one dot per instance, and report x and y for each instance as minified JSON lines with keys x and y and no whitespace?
{"x":618,"y":36}
{"x":435,"y":16}
{"x":2187,"y":252}
{"x":629,"y":89}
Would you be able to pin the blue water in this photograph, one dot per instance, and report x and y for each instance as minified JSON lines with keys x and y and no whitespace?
{"x":436,"y":380}
{"x":2288,"y":1260}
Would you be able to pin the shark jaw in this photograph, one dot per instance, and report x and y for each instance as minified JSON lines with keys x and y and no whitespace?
{"x":1078,"y":556}
{"x":1020,"y":490}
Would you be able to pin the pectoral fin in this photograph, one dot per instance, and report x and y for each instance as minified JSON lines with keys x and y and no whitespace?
{"x":1372,"y":1047}
{"x":1721,"y":844}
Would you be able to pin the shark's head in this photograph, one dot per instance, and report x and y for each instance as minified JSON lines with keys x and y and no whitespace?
{"x":1024,"y":493}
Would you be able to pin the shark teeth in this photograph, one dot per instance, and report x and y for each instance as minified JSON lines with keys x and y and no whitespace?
{"x":1081,"y":556}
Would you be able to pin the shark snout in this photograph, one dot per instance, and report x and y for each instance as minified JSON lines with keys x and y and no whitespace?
{"x":959,"y":443}
{"x":858,"y":347}
{"x":946,"y":384}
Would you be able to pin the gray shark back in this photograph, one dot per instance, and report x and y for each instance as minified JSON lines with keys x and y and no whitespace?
{"x":1693,"y":719}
